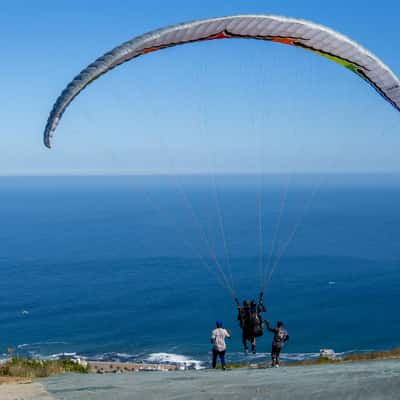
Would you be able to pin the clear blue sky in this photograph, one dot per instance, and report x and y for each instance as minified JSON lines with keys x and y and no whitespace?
{"x":229,"y":106}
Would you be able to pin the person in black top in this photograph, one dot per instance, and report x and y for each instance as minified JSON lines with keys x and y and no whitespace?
{"x":281,"y":336}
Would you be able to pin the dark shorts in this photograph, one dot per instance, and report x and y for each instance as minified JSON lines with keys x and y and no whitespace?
{"x":248,"y":335}
{"x":276,"y":351}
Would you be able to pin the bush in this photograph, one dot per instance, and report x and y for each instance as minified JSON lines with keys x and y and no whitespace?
{"x":25,"y":368}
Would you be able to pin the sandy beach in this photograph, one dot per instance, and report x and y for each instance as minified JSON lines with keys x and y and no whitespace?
{"x":363,"y":380}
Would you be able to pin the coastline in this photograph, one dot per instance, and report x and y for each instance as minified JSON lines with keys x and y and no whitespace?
{"x":101,"y":367}
{"x":173,"y":362}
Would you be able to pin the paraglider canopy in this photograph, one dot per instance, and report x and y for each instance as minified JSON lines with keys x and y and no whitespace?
{"x":295,"y":32}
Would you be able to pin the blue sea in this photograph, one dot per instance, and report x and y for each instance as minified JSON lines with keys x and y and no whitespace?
{"x":130,"y":267}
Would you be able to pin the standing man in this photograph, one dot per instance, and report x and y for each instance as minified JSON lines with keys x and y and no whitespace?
{"x":218,"y":336}
{"x":281,"y":336}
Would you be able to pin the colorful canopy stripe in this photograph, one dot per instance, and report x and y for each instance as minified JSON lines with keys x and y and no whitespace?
{"x":316,"y":38}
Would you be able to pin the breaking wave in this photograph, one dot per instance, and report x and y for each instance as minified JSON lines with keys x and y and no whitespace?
{"x":176,"y":359}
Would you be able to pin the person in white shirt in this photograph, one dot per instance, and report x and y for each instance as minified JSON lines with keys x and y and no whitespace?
{"x":218,"y":336}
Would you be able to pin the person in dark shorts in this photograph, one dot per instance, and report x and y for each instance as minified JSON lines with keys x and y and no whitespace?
{"x":218,"y":337}
{"x":281,"y":336}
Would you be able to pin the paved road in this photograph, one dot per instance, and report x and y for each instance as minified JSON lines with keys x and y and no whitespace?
{"x":368,"y":380}
{"x":31,"y":391}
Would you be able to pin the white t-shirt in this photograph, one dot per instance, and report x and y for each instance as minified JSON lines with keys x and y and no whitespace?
{"x":218,"y":338}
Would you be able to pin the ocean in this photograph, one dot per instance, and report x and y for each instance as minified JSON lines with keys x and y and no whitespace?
{"x":129,"y":267}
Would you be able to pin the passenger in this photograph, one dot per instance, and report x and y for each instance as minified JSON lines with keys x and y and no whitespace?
{"x":218,"y":336}
{"x":255,"y":320}
{"x":244,"y":317}
{"x":281,"y":336}
{"x":250,"y":317}
{"x":243,"y":313}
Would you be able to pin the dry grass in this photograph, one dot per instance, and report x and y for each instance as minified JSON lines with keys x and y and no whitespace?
{"x":24,"y":368}
{"x":377,"y":355}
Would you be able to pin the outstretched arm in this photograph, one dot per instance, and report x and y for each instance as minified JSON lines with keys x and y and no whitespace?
{"x":269,"y":326}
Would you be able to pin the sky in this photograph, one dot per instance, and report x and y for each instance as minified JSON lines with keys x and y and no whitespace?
{"x":237,"y":106}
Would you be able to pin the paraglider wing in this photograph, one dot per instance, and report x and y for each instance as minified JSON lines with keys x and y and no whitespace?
{"x":290,"y":31}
